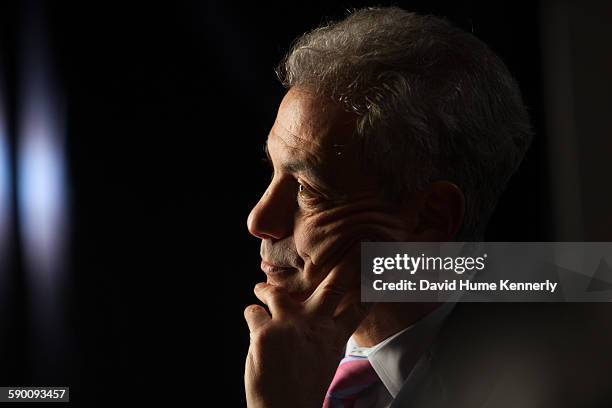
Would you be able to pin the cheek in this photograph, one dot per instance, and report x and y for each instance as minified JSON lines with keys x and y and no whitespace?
{"x":306,"y":234}
{"x":323,"y":238}
{"x":316,"y":239}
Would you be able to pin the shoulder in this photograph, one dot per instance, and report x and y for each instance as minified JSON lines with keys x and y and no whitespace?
{"x":522,"y":354}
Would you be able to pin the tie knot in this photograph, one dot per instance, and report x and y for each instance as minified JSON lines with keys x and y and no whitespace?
{"x":353,"y":376}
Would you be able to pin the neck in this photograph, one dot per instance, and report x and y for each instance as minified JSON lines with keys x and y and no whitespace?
{"x":386,"y":319}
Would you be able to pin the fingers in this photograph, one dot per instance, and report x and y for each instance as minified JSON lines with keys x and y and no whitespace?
{"x":335,"y":239}
{"x":276,"y":298}
{"x":344,"y":277}
{"x":256,"y":316}
{"x":326,"y":298}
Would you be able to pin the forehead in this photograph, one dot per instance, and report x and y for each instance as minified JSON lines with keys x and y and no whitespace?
{"x":311,"y":125}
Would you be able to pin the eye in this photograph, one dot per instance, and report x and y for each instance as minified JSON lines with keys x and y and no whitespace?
{"x":301,"y":189}
{"x":305,"y":194}
{"x":310,"y":198}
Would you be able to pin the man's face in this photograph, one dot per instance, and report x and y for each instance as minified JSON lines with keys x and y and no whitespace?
{"x":321,"y":201}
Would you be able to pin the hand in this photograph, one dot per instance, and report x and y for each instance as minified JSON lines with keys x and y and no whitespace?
{"x":295,"y":349}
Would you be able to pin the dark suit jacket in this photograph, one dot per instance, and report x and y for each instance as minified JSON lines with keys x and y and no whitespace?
{"x":516,"y":355}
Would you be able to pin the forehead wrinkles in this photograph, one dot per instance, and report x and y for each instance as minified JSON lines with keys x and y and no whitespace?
{"x":291,"y":137}
{"x":296,"y":136}
{"x":314,"y":119}
{"x":286,"y":148}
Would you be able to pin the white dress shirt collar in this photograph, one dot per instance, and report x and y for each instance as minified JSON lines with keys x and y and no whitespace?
{"x":394,"y":357}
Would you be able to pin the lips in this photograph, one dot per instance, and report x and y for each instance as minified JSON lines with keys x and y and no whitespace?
{"x":271,"y":269}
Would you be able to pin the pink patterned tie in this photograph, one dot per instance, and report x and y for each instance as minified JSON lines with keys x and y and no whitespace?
{"x":353,"y":376}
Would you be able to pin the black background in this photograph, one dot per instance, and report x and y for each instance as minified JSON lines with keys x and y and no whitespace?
{"x":168,"y":106}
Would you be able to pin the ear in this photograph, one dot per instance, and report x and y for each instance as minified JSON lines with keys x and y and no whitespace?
{"x":441,"y":212}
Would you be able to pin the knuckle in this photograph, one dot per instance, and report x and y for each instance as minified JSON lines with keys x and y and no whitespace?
{"x":274,"y":292}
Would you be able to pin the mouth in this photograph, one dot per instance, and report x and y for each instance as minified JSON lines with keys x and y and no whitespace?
{"x":284,"y":276}
{"x":276,"y":270}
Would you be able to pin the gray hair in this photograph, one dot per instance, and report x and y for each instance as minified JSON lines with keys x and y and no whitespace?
{"x":434,"y":103}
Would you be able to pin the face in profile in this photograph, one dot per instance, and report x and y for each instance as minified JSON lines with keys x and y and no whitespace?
{"x":322,"y":201}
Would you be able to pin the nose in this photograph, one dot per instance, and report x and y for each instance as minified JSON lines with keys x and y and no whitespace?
{"x":272,"y":217}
